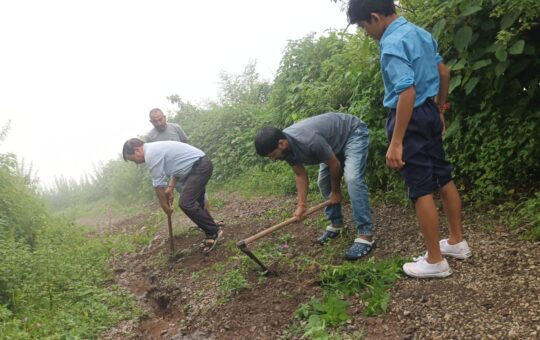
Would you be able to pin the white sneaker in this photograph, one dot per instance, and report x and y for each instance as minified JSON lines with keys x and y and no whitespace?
{"x":424,"y":270}
{"x":459,"y":250}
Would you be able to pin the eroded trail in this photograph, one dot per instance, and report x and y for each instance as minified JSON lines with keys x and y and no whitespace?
{"x":496,"y":294}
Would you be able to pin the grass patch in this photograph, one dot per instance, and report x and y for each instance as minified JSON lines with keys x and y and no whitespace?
{"x":101,"y":210}
{"x":371,"y":279}
{"x":233,"y":282}
{"x":61,"y":288}
{"x":524,"y":217}
{"x":272,"y":179}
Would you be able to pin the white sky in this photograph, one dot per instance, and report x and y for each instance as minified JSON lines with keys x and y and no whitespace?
{"x":77,"y":78}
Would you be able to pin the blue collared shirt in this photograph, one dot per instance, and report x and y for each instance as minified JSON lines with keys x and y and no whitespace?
{"x":408,"y":57}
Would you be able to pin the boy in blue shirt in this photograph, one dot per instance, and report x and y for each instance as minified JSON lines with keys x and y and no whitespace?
{"x":413,"y":73}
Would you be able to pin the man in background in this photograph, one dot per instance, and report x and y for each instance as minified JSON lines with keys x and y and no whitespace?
{"x":164,"y":131}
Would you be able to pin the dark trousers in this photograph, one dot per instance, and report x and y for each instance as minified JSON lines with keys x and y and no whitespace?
{"x":192,"y":196}
{"x":426,"y":169}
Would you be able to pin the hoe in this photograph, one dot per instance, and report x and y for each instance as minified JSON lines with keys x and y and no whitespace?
{"x":244,"y":243}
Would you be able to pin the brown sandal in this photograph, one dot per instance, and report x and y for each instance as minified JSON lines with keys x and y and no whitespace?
{"x":209,"y":243}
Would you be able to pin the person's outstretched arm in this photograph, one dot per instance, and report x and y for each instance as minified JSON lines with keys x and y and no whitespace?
{"x":163,"y":200}
{"x":302,"y":183}
{"x":334,"y":165}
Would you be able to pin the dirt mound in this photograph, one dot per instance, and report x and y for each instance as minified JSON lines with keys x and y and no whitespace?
{"x":493,"y":295}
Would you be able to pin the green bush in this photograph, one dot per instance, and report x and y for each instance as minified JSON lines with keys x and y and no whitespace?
{"x":525,"y":217}
{"x":233,"y":282}
{"x":492,"y":50}
{"x":371,"y":278}
{"x":53,"y":277}
{"x":21,"y":211}
{"x":59,"y":289}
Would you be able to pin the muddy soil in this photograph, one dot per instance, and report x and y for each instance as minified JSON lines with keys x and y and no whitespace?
{"x":493,"y":295}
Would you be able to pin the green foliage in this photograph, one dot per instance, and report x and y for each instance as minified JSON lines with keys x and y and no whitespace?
{"x":225,"y":132}
{"x":21,"y":212}
{"x":331,"y":310}
{"x":275,"y":178}
{"x":52,"y":276}
{"x":372,"y":279}
{"x":305,"y":85}
{"x":233,"y":282}
{"x":121,"y":182}
{"x":245,"y":88}
{"x":492,"y":50}
{"x":127,"y":182}
{"x":58,"y":289}
{"x":525,"y":217}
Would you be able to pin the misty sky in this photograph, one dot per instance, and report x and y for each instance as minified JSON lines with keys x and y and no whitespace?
{"x":77,"y":78}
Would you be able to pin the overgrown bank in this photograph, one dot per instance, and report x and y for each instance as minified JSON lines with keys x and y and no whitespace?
{"x":55,"y":278}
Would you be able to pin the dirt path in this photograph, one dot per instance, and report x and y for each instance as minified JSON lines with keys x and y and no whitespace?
{"x":496,"y":294}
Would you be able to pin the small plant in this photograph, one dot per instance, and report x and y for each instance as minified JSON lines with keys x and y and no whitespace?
{"x":160,"y":260}
{"x":271,"y":213}
{"x":144,"y":236}
{"x":216,"y":267}
{"x":233,"y":282}
{"x":217,"y":203}
{"x":331,"y":311}
{"x":372,"y":278}
{"x":526,"y":218}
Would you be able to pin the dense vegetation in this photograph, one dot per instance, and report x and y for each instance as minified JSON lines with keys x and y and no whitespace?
{"x":54,"y":279}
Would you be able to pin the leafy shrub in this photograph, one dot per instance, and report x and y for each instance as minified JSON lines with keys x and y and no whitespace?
{"x":21,"y":212}
{"x":371,"y":278}
{"x":233,"y":282}
{"x":331,"y":310}
{"x":58,"y":289}
{"x":492,"y":50}
{"x":525,"y":217}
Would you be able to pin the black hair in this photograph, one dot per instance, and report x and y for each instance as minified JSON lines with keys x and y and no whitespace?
{"x":130,"y":145}
{"x":267,"y":140}
{"x":360,"y":10}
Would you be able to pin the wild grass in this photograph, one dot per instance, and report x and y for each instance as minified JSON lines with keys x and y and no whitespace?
{"x":61,"y":288}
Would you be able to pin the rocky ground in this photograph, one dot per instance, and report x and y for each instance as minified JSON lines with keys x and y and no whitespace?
{"x":493,"y":295}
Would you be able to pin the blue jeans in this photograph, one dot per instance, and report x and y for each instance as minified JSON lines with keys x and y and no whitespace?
{"x":355,"y":153}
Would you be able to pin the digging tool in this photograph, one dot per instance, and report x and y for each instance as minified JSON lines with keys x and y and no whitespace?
{"x":243,"y":243}
{"x":171,"y":239}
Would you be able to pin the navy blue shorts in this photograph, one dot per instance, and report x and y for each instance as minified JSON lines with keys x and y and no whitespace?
{"x":426,"y":169}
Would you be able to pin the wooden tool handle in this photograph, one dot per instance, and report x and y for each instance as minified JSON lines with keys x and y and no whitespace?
{"x":171,"y":236}
{"x":282,"y":224}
